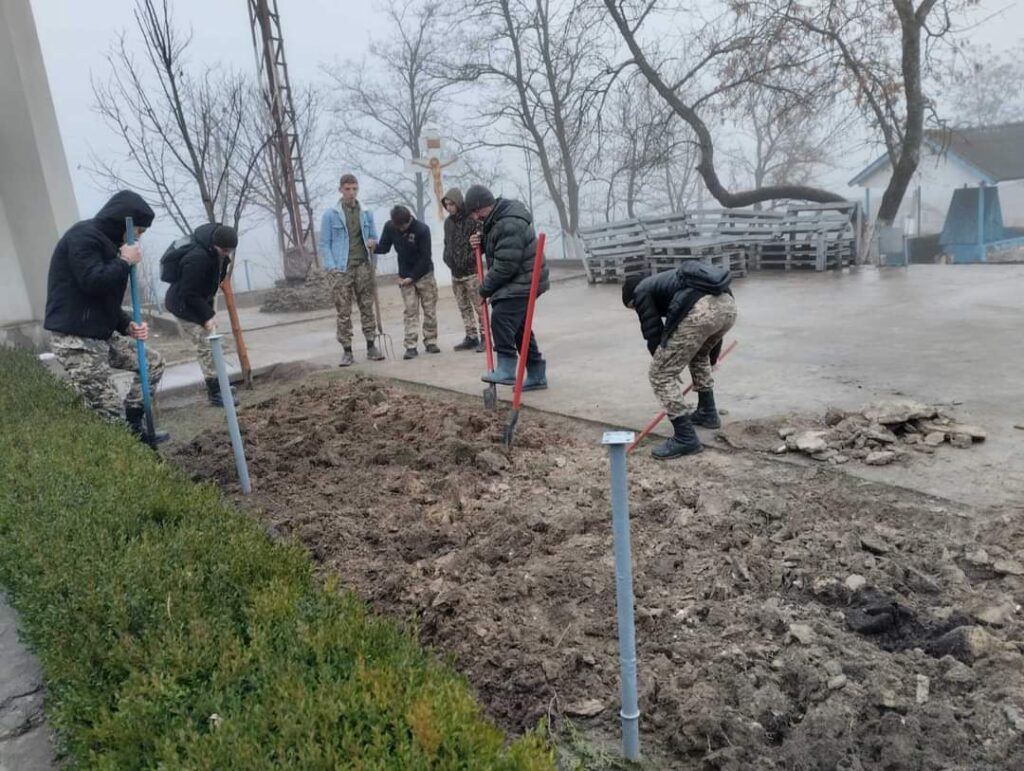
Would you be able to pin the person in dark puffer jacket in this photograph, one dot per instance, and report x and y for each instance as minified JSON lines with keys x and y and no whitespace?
{"x":510,"y":245}
{"x":192,"y":297}
{"x":684,"y":314}
{"x":459,"y":257}
{"x":91,"y":334}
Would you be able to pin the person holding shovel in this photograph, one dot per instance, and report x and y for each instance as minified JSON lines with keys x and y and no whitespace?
{"x":348,"y":236}
{"x":458,"y":256}
{"x":684,"y":314}
{"x":195,"y":270}
{"x":411,"y":240}
{"x":510,"y":245}
{"x":91,"y":335}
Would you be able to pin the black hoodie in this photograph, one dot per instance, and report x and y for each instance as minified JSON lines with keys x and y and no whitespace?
{"x":87,"y":279}
{"x":201,"y":271}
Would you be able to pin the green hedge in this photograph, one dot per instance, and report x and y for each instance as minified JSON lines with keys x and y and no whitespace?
{"x":173,"y":634}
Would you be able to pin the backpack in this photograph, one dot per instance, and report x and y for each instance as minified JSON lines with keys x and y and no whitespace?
{"x":170,"y":263}
{"x":709,"y":279}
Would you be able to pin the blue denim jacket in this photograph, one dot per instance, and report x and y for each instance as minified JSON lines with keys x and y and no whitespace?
{"x":334,"y":237}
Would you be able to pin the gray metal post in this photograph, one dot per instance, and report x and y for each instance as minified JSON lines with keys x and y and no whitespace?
{"x":617,"y":441}
{"x":248,"y":280}
{"x":229,"y":409}
{"x":981,"y":222}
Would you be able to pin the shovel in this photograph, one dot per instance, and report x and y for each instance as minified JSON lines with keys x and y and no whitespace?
{"x":140,"y":346}
{"x":491,"y":391}
{"x":517,"y":394}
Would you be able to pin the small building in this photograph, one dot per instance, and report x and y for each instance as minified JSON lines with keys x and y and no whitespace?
{"x":952,"y":159}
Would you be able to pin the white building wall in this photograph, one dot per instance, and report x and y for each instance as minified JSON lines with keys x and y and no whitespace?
{"x":35,"y":188}
{"x":938,"y":177}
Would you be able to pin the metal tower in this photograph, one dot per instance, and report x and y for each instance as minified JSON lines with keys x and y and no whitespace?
{"x":289,"y":173}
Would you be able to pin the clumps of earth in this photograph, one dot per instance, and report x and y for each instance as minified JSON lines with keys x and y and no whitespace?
{"x":312,"y":295}
{"x":879,"y":434}
{"x":789,"y":617}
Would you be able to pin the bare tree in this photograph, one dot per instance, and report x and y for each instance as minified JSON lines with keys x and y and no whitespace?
{"x":887,"y":73}
{"x":721,"y":61}
{"x":549,"y":79}
{"x":984,"y":87}
{"x":785,"y":135}
{"x":386,"y":103}
{"x":182,"y":128}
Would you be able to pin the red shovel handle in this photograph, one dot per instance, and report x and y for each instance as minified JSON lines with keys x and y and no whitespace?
{"x":484,"y":313}
{"x":531,"y":303}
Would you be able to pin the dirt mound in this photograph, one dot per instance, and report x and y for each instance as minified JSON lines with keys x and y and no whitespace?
{"x":312,"y":295}
{"x":787,"y":618}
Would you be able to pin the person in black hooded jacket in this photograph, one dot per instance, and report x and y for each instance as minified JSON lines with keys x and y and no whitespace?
{"x":191,"y":297}
{"x":684,"y":314}
{"x":510,"y":245}
{"x":91,"y":334}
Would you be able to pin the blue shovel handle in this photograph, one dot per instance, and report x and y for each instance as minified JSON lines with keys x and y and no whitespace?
{"x":140,"y":346}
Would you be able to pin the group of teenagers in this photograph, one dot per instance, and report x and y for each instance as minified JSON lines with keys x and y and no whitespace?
{"x":684,"y":313}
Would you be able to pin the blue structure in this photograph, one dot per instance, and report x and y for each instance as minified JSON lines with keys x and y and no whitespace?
{"x":974,"y":224}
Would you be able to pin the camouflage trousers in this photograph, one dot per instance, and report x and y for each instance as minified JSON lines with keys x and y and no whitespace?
{"x":422,"y":293}
{"x":204,"y":351}
{"x":90,"y":366}
{"x":467,"y":297}
{"x":690,"y":346}
{"x":357,"y":281}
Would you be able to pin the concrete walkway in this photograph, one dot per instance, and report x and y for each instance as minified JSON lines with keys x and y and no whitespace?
{"x":25,"y":741}
{"x":941,"y":334}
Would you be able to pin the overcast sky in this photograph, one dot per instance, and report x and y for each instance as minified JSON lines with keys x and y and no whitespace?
{"x":75,"y":37}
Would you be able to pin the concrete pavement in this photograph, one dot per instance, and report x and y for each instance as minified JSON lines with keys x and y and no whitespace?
{"x":25,"y":742}
{"x":941,"y":334}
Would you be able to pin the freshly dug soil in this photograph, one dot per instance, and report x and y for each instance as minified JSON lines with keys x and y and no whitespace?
{"x":787,"y":618}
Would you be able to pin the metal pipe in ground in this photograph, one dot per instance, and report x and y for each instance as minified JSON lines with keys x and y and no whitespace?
{"x":617,"y":441}
{"x":229,"y":409}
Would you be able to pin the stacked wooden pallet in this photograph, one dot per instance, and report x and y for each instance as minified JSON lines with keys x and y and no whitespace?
{"x":817,"y":236}
{"x":614,"y":251}
{"x":724,"y":251}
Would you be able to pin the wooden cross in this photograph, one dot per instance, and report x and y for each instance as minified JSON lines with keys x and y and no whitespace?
{"x":432,"y":163}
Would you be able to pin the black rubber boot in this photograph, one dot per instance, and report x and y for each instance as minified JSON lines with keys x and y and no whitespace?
{"x":213,"y":390}
{"x":504,"y":373}
{"x":135,"y":417}
{"x":468,"y":344}
{"x":536,"y":376}
{"x":683,"y":442}
{"x":706,"y":414}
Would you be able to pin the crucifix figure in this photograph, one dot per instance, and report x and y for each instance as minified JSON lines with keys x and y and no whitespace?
{"x":432,"y":163}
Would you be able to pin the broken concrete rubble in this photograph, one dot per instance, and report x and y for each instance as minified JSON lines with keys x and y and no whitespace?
{"x":879,"y":434}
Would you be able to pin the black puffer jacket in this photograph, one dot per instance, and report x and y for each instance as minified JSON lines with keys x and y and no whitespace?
{"x":511,"y":245}
{"x":201,"y":272}
{"x":458,"y":254}
{"x":662,"y":301}
{"x":87,"y":279}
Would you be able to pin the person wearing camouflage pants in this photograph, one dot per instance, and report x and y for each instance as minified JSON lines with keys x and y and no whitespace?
{"x":690,"y":346}
{"x":90,"y":366}
{"x":411,"y":240}
{"x":414,"y":295}
{"x":684,"y":314}
{"x":348,"y":236}
{"x":91,"y":335}
{"x":460,"y":259}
